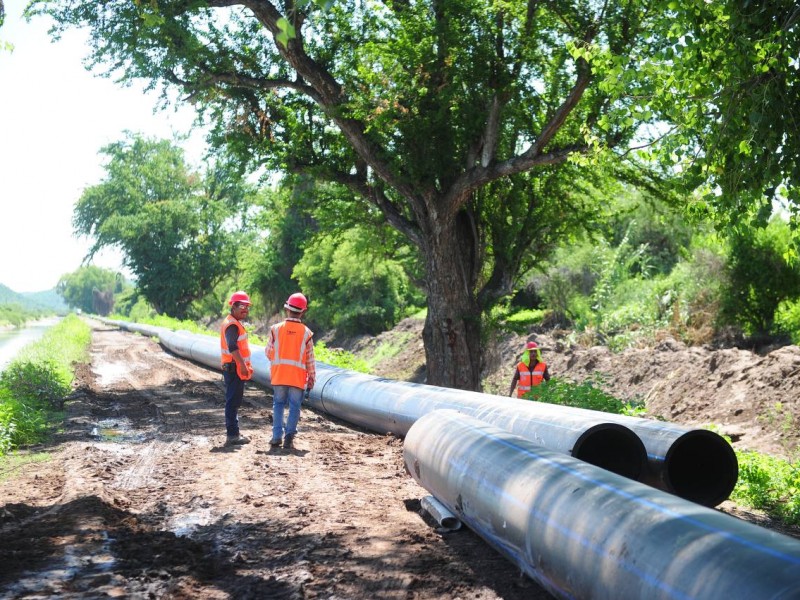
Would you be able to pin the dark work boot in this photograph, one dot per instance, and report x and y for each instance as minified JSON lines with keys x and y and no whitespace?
{"x":288,"y":442}
{"x":236,"y":440}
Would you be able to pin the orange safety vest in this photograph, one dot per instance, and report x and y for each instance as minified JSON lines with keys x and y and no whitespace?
{"x":244,"y":346}
{"x":529,"y":377}
{"x":288,"y":353}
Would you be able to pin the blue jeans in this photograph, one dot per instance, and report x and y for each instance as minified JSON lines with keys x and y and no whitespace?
{"x":281,"y":394}
{"x":234,"y":391}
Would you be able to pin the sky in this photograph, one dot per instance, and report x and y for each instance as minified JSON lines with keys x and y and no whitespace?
{"x":54,"y":118}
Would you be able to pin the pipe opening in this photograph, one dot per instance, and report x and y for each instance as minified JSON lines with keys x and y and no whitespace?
{"x":701,"y":467}
{"x":612,"y":447}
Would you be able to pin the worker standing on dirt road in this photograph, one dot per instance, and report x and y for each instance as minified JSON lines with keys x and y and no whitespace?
{"x":236,"y":368}
{"x":290,"y":351}
{"x":530,"y":371}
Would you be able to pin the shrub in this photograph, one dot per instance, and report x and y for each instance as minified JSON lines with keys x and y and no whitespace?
{"x":787,"y":319}
{"x":352,"y":285}
{"x":34,"y":385}
{"x":770,"y":484}
{"x":587,"y":394}
{"x":761,"y":277}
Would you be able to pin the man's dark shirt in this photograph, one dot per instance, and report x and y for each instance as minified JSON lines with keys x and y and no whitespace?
{"x":232,"y":338}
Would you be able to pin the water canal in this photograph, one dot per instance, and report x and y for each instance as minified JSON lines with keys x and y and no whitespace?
{"x":14,"y":340}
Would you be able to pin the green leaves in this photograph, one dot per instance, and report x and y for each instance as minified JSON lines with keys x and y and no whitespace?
{"x":171,"y":223}
{"x":287,"y":32}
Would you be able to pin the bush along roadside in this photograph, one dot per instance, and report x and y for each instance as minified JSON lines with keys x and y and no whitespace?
{"x":34,"y":385}
{"x":766,"y":483}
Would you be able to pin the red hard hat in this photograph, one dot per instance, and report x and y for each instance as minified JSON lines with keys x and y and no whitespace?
{"x":296,"y":302}
{"x":240,"y":297}
{"x":531,"y":345}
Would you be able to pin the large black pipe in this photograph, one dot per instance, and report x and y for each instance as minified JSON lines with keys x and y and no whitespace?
{"x":583,"y":532}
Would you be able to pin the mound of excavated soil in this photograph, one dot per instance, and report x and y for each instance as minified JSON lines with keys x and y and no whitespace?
{"x":752,"y":398}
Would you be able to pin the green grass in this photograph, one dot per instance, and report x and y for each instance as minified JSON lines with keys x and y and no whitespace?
{"x":15,"y":315}
{"x":769,"y":484}
{"x":33,"y":386}
{"x":518,"y":322}
{"x":12,"y":463}
{"x":387,"y":351}
{"x":339,"y":358}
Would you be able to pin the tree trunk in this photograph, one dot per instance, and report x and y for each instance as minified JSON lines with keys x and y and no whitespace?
{"x":452,"y":333}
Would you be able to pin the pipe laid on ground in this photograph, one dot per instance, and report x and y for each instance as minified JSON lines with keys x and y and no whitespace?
{"x":695,"y":464}
{"x":388,"y":406}
{"x":440,"y":513}
{"x":583,"y":532}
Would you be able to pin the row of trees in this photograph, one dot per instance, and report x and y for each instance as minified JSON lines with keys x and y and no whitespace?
{"x":636,"y":262}
{"x":481,"y":132}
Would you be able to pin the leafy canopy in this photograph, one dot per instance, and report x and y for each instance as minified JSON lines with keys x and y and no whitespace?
{"x":457,"y":118}
{"x":83,"y":287}
{"x":175,"y":226}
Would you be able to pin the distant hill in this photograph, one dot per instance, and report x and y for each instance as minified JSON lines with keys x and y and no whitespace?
{"x":9,"y":296}
{"x":49,"y":299}
{"x":46,"y":300}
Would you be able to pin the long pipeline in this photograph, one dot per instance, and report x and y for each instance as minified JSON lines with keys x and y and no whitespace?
{"x":388,"y":406}
{"x":694,"y":464}
{"x":583,"y":532}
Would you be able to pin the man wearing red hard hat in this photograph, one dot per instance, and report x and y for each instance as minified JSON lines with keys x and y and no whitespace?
{"x":290,"y":350}
{"x":530,"y":371}
{"x":236,"y":367}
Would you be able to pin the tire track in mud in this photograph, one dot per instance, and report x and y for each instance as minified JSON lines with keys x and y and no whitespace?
{"x":160,"y":508}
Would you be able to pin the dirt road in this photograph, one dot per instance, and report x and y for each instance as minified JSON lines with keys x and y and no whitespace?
{"x":141,"y":500}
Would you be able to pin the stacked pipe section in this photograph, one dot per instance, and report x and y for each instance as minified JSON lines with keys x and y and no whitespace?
{"x":694,"y":464}
{"x":584,"y":532}
{"x":390,"y":406}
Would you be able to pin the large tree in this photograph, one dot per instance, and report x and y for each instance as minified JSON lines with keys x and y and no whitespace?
{"x":171,"y":223}
{"x":468,"y":123}
{"x":91,"y":289}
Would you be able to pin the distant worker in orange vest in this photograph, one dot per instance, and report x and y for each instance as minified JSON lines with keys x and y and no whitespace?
{"x":293,"y":370}
{"x":530,"y":371}
{"x":236,"y":368}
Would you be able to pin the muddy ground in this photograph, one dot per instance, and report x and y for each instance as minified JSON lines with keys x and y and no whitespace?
{"x":142,"y":500}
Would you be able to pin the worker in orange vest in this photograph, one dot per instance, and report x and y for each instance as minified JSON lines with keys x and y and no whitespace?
{"x":530,"y":371}
{"x":236,"y":367}
{"x":290,"y":351}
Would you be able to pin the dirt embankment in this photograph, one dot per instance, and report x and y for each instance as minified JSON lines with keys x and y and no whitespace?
{"x":754,"y":398}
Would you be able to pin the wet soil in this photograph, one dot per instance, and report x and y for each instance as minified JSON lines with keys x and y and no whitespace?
{"x":142,"y":500}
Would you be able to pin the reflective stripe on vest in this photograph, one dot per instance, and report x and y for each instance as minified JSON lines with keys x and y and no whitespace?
{"x":244,"y":346}
{"x":288,"y":356}
{"x":529,"y":377}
